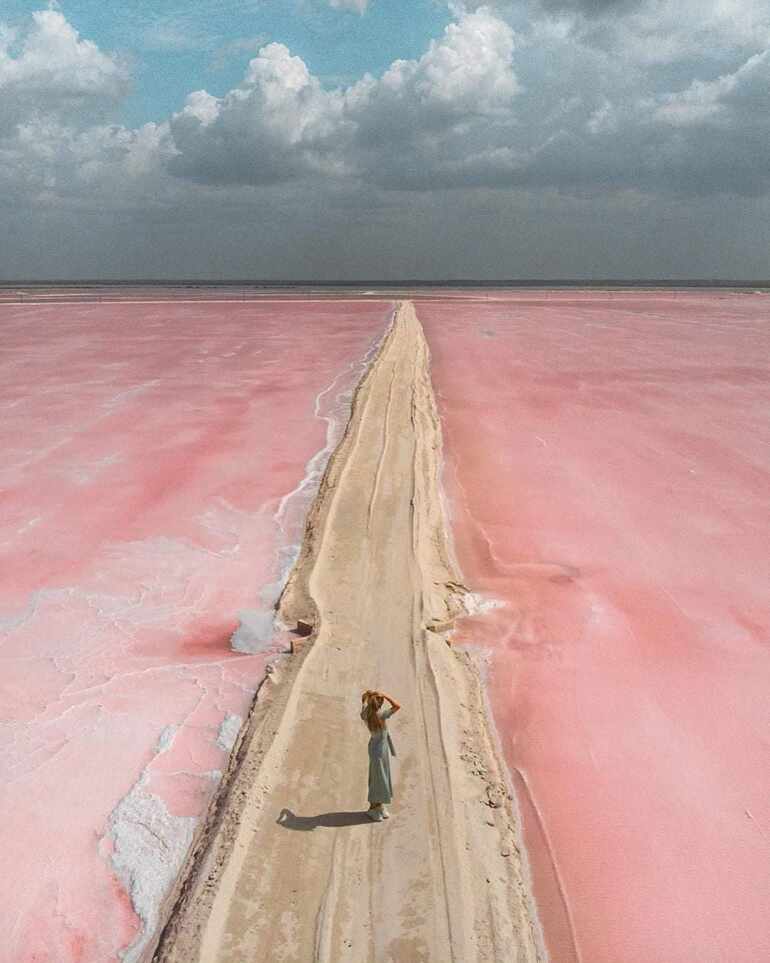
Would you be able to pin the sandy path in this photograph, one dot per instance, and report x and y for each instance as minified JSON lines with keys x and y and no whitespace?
{"x":291,"y":871}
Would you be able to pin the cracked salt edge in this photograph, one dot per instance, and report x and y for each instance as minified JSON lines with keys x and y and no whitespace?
{"x":149,"y":846}
{"x":475,"y":603}
{"x":257,"y":627}
{"x":228,"y":731}
{"x":478,"y":604}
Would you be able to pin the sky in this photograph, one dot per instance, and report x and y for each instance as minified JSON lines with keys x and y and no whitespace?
{"x":385,"y":139}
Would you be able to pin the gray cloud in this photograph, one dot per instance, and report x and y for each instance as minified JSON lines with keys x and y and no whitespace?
{"x":591,"y":8}
{"x":298,"y":233}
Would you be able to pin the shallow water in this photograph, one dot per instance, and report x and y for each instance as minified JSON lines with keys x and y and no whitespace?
{"x":158,"y":460}
{"x":608,"y":474}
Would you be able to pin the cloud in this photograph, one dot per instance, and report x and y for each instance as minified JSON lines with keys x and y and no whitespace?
{"x":719,"y":131}
{"x":179,"y":28}
{"x":469,"y":70}
{"x":591,"y":8}
{"x":280,"y":123}
{"x":729,"y":101}
{"x":666,"y":31}
{"x":357,"y":6}
{"x":227,"y":51}
{"x":51,"y":165}
{"x":50,"y":69}
{"x":57,"y":150}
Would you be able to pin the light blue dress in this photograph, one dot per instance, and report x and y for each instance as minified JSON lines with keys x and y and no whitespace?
{"x":380,"y":751}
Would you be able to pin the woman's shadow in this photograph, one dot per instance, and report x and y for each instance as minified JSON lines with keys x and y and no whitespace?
{"x":289,"y":820}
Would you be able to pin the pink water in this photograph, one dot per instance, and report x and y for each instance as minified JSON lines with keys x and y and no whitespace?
{"x":148,"y":454}
{"x":608,"y":468}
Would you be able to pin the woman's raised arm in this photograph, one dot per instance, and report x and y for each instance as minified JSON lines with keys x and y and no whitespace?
{"x":396,"y":706}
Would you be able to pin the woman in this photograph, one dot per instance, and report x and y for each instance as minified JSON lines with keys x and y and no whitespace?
{"x":374,"y":712}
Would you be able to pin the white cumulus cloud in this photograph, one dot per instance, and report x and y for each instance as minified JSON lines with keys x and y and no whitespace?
{"x":280,"y":123}
{"x":469,"y":70}
{"x":51,"y":69}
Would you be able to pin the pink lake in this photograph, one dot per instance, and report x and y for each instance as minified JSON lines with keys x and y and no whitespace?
{"x":608,"y":473}
{"x":157,"y":463}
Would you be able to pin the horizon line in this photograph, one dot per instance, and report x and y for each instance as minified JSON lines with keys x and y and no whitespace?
{"x":370,"y":282}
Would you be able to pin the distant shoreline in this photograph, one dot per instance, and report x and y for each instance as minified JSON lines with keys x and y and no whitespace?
{"x":387,"y":285}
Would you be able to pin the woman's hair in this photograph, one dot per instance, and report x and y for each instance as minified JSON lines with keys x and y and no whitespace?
{"x":372,"y":704}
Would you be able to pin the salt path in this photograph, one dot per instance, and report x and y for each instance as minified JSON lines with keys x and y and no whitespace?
{"x":608,"y":471}
{"x":157,"y":464}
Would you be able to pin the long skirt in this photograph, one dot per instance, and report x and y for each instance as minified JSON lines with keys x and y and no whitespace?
{"x":380,"y":785}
